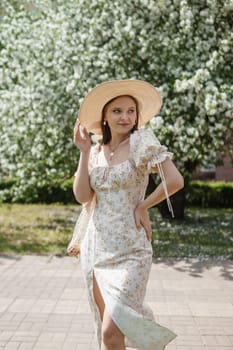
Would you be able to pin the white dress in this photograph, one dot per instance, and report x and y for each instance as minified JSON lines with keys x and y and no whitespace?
{"x":114,"y":250}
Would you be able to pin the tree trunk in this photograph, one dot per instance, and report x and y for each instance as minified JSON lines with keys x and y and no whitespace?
{"x":177,"y":201}
{"x":178,"y":205}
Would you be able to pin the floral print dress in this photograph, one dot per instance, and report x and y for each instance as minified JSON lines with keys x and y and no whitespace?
{"x":113,"y":250}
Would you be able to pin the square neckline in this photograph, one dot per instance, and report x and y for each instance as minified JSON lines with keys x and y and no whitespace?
{"x":118,"y":164}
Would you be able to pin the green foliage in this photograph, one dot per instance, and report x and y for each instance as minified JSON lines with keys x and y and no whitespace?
{"x":210,"y":194}
{"x":198,"y":193}
{"x":7,"y":183}
{"x":53,"y":52}
{"x":57,"y":191}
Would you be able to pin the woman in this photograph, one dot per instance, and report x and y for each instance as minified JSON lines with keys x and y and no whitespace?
{"x":114,"y":226}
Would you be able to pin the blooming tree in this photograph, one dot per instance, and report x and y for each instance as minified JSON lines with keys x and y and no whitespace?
{"x":53,"y":52}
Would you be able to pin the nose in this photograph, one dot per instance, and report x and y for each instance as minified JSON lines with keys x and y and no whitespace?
{"x":124,"y":115}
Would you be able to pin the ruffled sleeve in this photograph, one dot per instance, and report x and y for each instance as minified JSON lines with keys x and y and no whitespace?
{"x":147,"y":150}
{"x":148,"y":155}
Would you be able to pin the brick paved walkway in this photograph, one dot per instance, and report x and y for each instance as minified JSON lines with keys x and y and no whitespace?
{"x":43,"y":304}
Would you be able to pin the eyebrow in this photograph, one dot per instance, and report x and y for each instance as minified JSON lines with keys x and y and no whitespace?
{"x":121,"y":107}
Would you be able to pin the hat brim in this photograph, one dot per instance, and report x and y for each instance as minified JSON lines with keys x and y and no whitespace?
{"x":148,"y":97}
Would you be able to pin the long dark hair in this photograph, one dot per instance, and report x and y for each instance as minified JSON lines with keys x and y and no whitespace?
{"x":107,"y":136}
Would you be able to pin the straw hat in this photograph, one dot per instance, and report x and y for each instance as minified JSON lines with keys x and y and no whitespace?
{"x":148,"y":97}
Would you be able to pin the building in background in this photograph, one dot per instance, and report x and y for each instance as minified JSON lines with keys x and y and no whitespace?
{"x":222,"y":172}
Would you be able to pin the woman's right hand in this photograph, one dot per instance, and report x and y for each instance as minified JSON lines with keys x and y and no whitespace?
{"x":73,"y":251}
{"x":142,"y":219}
{"x":84,"y":144}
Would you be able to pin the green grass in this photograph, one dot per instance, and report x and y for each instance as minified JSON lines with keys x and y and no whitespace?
{"x":47,"y":229}
{"x":203,"y":233}
{"x":36,"y":229}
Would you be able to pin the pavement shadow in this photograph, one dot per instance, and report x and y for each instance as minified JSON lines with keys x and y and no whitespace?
{"x":10,"y":257}
{"x":196,"y":267}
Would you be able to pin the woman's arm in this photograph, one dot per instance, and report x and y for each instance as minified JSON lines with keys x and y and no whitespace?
{"x":174,"y":182}
{"x":81,"y":186}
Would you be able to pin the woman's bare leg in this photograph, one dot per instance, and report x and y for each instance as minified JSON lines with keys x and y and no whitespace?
{"x":112,"y":337}
{"x":98,"y":298}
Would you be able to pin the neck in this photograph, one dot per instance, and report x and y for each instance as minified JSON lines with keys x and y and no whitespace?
{"x":117,"y":139}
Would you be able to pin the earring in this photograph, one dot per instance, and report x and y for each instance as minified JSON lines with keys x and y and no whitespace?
{"x":104,"y":122}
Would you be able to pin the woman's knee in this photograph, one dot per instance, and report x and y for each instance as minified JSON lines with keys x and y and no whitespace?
{"x":111,"y":334}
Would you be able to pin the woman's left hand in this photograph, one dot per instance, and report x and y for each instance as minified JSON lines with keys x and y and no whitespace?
{"x":142,"y":219}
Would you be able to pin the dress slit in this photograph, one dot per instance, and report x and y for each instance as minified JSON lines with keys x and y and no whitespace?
{"x":94,"y":306}
{"x":97,"y":309}
{"x":98,"y":296}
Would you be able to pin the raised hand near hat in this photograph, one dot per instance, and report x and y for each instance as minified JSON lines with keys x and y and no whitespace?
{"x":83,"y":142}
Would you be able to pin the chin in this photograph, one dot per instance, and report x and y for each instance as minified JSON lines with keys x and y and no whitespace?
{"x":124,"y":130}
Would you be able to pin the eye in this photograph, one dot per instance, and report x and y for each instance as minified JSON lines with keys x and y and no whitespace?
{"x":116,"y":110}
{"x":131,"y":111}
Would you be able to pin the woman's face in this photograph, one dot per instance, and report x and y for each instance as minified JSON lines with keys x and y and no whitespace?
{"x":121,"y":115}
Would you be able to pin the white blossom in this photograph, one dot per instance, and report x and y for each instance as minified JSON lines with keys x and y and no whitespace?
{"x":53,"y":53}
{"x":156,"y":122}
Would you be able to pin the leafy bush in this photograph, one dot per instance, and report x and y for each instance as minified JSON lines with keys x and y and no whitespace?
{"x":198,"y":193}
{"x":210,"y":194}
{"x":7,"y":183}
{"x":57,"y":191}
